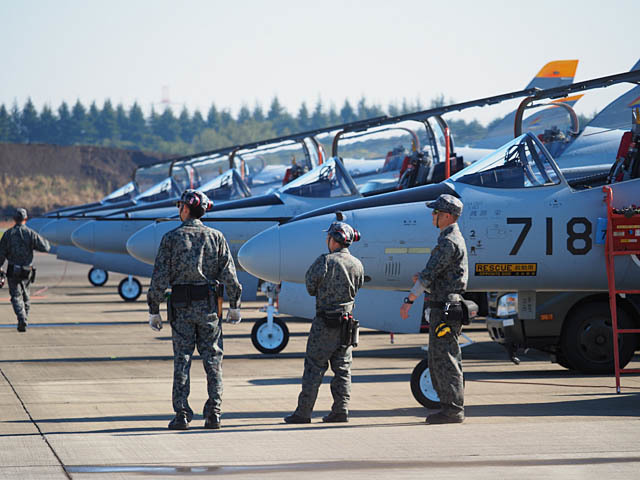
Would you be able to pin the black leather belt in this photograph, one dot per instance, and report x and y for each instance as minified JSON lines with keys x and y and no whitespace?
{"x":433,"y":304}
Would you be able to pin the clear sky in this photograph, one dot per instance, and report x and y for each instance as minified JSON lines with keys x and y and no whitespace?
{"x":235,"y":52}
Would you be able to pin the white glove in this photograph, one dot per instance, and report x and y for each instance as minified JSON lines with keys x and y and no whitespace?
{"x":233,"y":316}
{"x":155,"y":321}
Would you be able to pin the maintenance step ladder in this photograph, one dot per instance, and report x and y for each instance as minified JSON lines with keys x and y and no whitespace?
{"x":623,"y":238}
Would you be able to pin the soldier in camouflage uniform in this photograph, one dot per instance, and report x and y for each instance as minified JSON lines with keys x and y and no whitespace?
{"x":445,"y":277}
{"x":334,"y":279}
{"x":17,"y":246}
{"x":190,"y":259}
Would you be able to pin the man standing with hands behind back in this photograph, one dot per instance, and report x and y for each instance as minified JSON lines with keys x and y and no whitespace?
{"x":445,"y":278}
{"x":192,"y":259}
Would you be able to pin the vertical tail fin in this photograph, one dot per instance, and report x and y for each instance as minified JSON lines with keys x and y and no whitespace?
{"x":617,"y":115}
{"x":555,"y":74}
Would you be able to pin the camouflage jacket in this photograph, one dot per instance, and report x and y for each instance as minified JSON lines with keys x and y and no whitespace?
{"x":334,"y":279}
{"x":192,"y":254}
{"x":18,"y":243}
{"x":447,"y":270}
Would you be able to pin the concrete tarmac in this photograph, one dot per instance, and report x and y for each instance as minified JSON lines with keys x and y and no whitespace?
{"x":85,"y":393}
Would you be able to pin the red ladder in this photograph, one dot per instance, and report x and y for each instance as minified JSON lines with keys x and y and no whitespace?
{"x":613,"y":249}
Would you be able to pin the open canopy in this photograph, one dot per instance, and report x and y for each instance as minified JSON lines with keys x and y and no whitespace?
{"x":523,"y":162}
{"x":329,"y":180}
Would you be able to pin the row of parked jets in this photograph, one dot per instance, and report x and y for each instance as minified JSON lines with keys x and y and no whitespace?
{"x":531,"y":190}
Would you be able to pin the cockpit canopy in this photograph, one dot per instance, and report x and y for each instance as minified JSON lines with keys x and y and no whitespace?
{"x":228,"y":186}
{"x":160,"y":191}
{"x":125,"y":192}
{"x":329,"y":180}
{"x":521,"y":163}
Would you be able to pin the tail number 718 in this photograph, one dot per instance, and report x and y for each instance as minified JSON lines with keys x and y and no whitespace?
{"x":578,"y":238}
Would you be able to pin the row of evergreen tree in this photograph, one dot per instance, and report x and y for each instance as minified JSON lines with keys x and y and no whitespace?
{"x":187,"y":132}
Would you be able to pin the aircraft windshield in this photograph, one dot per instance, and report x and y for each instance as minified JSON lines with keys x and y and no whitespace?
{"x":228,"y":186}
{"x":267,"y":166}
{"x":523,"y":162}
{"x":210,"y":169}
{"x":328,"y":180}
{"x":160,"y":191}
{"x":123,"y":193}
{"x":147,"y":177}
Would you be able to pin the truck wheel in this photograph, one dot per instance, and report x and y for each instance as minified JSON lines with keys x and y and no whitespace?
{"x":587,"y":339}
{"x":270,"y":340}
{"x":98,"y":277}
{"x":421,"y":386}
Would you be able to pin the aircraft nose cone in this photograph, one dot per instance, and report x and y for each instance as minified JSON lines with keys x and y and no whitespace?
{"x":59,"y":231}
{"x":37,"y":223}
{"x":142,"y":245}
{"x":260,"y":256}
{"x":84,"y":237}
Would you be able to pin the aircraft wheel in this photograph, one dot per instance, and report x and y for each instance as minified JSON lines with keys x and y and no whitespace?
{"x":98,"y":277}
{"x":270,"y":340}
{"x":587,"y":338}
{"x":130,"y":289}
{"x":421,"y":386}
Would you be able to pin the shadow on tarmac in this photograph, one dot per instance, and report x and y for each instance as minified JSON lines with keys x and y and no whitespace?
{"x":626,"y":405}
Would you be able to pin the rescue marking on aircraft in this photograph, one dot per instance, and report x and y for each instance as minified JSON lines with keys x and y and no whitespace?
{"x":506,"y":269}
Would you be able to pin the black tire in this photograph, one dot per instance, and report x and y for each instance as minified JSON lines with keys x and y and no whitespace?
{"x":129,"y":292}
{"x":421,"y":386}
{"x":587,"y":339}
{"x":273,"y":342}
{"x":561,"y":360}
{"x":97,"y":277}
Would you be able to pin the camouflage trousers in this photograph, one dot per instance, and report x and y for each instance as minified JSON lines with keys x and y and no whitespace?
{"x":192,"y":327}
{"x":20,"y":298}
{"x":445,"y":363}
{"x":323,"y":349}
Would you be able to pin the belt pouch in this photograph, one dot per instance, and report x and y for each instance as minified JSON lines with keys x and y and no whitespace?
{"x":332,"y":319}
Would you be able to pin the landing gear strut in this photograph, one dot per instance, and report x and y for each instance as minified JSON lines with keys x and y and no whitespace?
{"x":270,"y":334}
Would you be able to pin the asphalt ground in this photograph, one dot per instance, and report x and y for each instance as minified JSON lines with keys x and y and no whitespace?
{"x":86,"y":394}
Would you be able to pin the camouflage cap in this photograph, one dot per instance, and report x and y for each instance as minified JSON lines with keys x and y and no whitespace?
{"x":447,"y":203}
{"x":20,"y":214}
{"x":343,"y":233}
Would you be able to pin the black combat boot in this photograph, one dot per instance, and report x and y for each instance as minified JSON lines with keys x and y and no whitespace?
{"x":179,"y":422}
{"x":213,"y":421}
{"x":336,"y":418}
{"x":22,"y":325}
{"x":440,"y":418}
{"x":295,"y":418}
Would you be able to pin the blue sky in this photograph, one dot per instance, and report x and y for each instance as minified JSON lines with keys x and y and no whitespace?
{"x":240,"y":52}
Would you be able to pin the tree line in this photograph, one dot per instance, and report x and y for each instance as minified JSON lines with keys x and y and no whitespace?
{"x":188,"y":132}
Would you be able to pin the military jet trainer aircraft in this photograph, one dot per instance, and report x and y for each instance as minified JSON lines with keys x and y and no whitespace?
{"x":424,"y":132}
{"x":59,"y":227}
{"x":102,"y":234}
{"x":526,"y":228}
